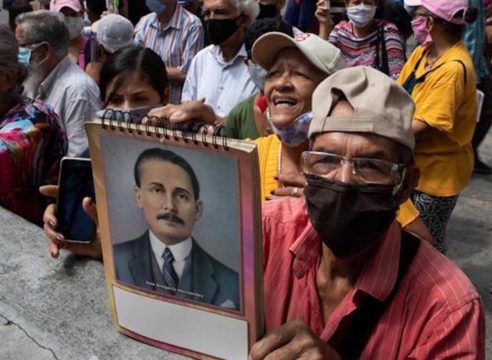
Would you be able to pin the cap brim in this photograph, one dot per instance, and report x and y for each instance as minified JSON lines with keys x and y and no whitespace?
{"x":266,"y":48}
{"x":413,"y":2}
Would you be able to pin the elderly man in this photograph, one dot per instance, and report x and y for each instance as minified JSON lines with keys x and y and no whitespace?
{"x":218,"y":73}
{"x":43,"y":45}
{"x":175,"y":34}
{"x":338,"y":263}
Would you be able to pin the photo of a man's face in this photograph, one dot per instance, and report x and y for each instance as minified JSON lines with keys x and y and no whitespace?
{"x":167,"y":199}
{"x":171,"y":198}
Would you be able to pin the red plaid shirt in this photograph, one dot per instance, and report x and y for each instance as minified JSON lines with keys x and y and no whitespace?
{"x":436,"y":313}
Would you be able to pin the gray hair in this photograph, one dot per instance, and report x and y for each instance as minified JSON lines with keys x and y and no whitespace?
{"x":46,"y":26}
{"x":248,"y":7}
{"x":9,"y":52}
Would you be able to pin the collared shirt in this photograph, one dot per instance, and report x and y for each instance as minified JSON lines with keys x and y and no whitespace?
{"x":75,"y":98}
{"x":181,"y":251}
{"x":476,"y":40}
{"x":435,"y":314}
{"x":222,"y":83}
{"x":177,"y":43}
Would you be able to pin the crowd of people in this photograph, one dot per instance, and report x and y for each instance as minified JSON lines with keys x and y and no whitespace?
{"x":364,"y":144}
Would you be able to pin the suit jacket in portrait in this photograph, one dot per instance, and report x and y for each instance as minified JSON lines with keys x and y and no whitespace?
{"x":204,"y":278}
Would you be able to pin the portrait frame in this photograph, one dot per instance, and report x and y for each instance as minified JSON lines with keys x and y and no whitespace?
{"x":138,"y":312}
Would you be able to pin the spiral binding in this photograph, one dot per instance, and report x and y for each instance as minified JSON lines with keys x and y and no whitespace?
{"x":163,"y":128}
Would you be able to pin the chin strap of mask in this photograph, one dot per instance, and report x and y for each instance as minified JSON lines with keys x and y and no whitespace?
{"x":361,"y":324}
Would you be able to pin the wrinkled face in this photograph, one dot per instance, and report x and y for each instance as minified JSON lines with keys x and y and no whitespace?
{"x":39,"y":49}
{"x":350,"y":3}
{"x":354,"y":145}
{"x":219,"y":9}
{"x":167,"y":200}
{"x":290,"y":85}
{"x":130,"y":91}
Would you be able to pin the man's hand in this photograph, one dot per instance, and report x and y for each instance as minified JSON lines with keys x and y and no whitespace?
{"x":56,"y":240}
{"x":292,"y":184}
{"x":292,"y":341}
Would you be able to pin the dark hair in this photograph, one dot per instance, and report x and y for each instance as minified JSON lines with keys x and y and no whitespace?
{"x":261,"y":27}
{"x":144,"y":61}
{"x":169,"y":156}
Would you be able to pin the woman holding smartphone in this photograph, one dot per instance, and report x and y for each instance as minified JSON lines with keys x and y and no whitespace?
{"x":134,"y":77}
{"x":363,"y":39}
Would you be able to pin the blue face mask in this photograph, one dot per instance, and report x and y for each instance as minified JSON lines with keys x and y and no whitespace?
{"x":24,"y":57}
{"x":156,"y":6}
{"x":294,"y":133}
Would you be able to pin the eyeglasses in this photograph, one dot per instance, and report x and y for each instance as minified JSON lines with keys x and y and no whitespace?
{"x":364,"y":170}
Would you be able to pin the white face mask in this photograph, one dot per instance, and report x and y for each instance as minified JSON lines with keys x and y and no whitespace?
{"x":74,"y":25}
{"x":361,"y":15}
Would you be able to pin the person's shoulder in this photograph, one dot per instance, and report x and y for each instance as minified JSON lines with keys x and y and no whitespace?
{"x":191,"y":19}
{"x":146,"y":20}
{"x":220,"y":268}
{"x":77,"y":81}
{"x":205,"y":52}
{"x":129,"y":245}
{"x":440,"y":279}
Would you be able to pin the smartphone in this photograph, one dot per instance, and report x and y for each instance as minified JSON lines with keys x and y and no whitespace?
{"x":75,"y":182}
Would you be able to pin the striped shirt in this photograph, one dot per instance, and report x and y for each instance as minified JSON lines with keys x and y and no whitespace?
{"x":223,"y":84}
{"x":435,"y":314}
{"x":177,"y":43}
{"x":365,"y":51}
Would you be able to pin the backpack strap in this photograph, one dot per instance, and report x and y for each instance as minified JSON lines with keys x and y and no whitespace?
{"x":362,"y":323}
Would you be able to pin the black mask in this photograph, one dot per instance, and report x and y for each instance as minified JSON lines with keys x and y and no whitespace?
{"x":349,"y":218}
{"x":267,"y":11}
{"x":219,"y":30}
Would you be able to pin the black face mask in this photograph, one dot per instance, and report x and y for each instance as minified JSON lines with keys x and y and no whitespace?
{"x":267,"y":11}
{"x":219,"y":30}
{"x":349,"y":218}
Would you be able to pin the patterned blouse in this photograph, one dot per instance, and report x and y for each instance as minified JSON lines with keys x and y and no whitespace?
{"x":369,"y":50}
{"x":32,"y":143}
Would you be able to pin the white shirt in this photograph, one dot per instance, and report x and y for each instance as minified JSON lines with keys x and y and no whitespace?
{"x":222,"y":84}
{"x":180,"y":251}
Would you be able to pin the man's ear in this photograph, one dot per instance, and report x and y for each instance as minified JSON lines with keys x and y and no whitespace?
{"x":137,"y":195}
{"x":409,"y":183}
{"x":199,"y":210}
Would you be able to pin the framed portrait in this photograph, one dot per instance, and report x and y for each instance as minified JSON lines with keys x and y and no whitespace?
{"x":179,"y":216}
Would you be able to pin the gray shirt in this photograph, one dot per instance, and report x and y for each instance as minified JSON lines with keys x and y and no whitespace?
{"x":75,"y":98}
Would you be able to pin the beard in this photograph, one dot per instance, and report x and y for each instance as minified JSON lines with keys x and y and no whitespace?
{"x":32,"y":82}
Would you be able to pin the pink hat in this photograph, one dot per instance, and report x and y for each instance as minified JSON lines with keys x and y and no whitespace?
{"x":444,"y":9}
{"x":57,"y":5}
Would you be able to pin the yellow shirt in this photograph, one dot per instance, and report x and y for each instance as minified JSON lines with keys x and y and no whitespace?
{"x":446,"y":103}
{"x":268,"y":158}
